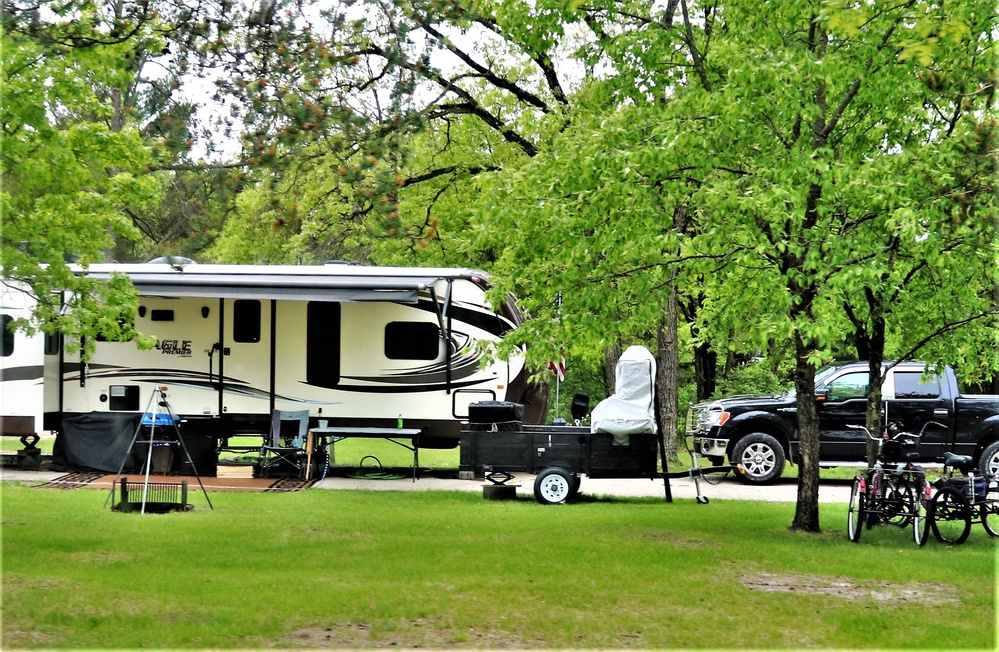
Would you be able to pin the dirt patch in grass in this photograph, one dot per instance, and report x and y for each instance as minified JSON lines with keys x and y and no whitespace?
{"x":677,"y":540}
{"x":405,"y":633}
{"x":926,"y":593}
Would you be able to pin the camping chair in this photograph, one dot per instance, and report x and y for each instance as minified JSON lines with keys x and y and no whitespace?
{"x":284,"y":450}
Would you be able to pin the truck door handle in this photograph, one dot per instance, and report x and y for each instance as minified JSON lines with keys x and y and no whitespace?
{"x":940,"y":412}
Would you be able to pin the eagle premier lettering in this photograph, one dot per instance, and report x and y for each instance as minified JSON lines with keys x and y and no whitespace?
{"x":175,"y":347}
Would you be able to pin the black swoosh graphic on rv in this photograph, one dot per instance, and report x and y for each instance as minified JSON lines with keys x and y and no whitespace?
{"x":490,"y":322}
{"x":32,"y":372}
{"x":199,"y":380}
{"x":194,"y":380}
{"x":408,"y":389}
{"x":436,"y":375}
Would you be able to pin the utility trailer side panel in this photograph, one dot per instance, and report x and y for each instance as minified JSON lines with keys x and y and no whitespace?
{"x":573,"y":449}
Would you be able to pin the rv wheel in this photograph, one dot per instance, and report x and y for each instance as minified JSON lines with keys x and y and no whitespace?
{"x":553,"y":486}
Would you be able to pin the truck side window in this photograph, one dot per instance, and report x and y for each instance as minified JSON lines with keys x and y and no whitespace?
{"x":909,"y":384}
{"x":853,"y":385}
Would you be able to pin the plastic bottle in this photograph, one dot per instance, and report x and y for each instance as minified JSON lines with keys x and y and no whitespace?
{"x":398,"y":423}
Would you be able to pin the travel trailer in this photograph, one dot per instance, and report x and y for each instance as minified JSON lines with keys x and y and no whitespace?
{"x":353,"y":345}
{"x":22,"y":365}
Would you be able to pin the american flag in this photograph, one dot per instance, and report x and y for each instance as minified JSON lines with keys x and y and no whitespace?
{"x":558,"y":368}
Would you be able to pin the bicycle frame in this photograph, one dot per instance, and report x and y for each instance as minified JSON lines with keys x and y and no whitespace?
{"x":889,"y":494}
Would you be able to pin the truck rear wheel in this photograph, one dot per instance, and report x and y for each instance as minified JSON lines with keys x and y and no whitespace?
{"x":990,"y":461}
{"x":761,"y":457}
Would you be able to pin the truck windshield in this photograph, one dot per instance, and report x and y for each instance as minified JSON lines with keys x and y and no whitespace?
{"x":823,"y":372}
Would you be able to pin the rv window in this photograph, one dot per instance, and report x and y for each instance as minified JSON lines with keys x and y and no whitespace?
{"x":7,"y":347}
{"x":322,"y":347}
{"x":246,"y":320}
{"x":412,"y":340}
{"x":52,"y":344}
{"x":161,"y":315}
{"x":909,"y":384}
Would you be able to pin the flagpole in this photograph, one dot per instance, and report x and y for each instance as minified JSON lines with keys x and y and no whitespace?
{"x":558,"y":404}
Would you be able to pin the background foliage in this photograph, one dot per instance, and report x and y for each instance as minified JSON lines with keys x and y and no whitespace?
{"x":713,"y":179}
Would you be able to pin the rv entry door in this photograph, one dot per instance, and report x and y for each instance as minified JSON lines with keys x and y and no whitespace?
{"x":245,"y":356}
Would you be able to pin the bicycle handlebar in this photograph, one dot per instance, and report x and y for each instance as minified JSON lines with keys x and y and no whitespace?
{"x":864,"y":428}
{"x":898,"y":434}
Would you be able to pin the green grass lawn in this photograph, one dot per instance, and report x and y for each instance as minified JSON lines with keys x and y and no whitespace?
{"x":362,"y":569}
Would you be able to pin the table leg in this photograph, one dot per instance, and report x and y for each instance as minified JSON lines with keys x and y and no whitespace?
{"x":309,"y":443}
{"x":416,"y":455}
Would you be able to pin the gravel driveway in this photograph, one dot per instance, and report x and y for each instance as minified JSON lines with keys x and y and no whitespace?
{"x":719,"y":488}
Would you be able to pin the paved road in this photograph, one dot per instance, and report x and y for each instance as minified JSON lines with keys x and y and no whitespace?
{"x":830,"y":491}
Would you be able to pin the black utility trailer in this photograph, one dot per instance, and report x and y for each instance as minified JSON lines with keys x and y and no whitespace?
{"x":559,"y":455}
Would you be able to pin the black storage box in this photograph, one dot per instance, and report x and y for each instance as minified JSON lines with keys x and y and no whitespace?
{"x":490,"y":412}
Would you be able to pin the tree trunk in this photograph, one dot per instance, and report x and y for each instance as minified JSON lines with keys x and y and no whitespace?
{"x":668,"y":375}
{"x":705,"y":371}
{"x":611,"y":355}
{"x":875,"y":356}
{"x":806,"y":512}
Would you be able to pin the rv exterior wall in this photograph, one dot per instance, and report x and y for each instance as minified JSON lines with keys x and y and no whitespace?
{"x":362,"y":362}
{"x":22,"y":363}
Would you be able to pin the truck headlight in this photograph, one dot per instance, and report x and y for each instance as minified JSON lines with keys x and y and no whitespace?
{"x":712,"y":416}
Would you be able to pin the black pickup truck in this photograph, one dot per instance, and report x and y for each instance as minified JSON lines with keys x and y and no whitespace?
{"x":761,"y":432}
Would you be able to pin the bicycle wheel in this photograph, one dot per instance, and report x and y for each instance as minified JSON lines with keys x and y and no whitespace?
{"x":990,"y":517}
{"x":899,"y":502}
{"x":920,"y":519}
{"x":855,"y":517}
{"x":920,"y":516}
{"x":950,"y":516}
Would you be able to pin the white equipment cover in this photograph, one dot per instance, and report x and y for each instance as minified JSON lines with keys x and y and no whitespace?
{"x":631,"y":409}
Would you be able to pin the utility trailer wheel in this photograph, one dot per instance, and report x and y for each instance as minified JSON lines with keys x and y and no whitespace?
{"x":553,"y":486}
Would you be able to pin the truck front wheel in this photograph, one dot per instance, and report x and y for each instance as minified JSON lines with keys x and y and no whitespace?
{"x":761,"y":457}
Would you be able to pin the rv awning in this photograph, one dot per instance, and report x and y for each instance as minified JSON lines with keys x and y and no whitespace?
{"x":306,"y":287}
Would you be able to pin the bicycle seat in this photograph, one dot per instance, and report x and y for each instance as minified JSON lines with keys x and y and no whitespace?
{"x":962,"y":463}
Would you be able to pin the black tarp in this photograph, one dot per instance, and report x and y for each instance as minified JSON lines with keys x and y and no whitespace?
{"x":100,"y":441}
{"x":97,"y":441}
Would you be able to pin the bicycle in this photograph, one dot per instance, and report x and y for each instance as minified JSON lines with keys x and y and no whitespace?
{"x":960,"y":500}
{"x":891,"y":496}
